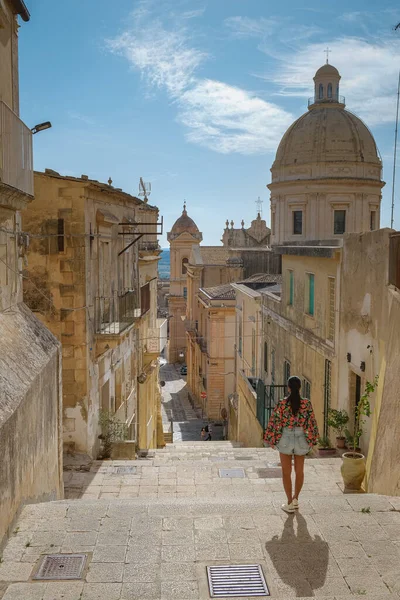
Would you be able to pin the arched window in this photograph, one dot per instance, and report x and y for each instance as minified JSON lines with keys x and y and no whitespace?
{"x":321,"y":91}
{"x":184,"y":263}
{"x":329,"y":90}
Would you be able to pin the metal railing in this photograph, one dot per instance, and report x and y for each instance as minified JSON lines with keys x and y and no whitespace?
{"x":202,"y":342}
{"x":148,"y":246}
{"x":268,"y":397}
{"x":16,"y":157}
{"x":115,"y":313}
{"x":335,"y":98}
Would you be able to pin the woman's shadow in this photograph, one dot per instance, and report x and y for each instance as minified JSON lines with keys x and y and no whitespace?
{"x":300,"y":561}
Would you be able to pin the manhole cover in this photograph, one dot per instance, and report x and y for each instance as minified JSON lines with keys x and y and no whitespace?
{"x":61,"y":566}
{"x":226,"y":473}
{"x":237,"y":581}
{"x":123,"y":470}
{"x":269,"y":473}
{"x":244,"y":458}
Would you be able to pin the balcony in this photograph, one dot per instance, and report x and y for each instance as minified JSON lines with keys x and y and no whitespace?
{"x":157,"y":337}
{"x":202,"y":342}
{"x":115,"y":313}
{"x":149,"y":246}
{"x":335,"y":98}
{"x":16,"y":157}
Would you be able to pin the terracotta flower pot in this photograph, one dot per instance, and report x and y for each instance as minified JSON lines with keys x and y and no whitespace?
{"x":353,"y":471}
{"x":340,"y":442}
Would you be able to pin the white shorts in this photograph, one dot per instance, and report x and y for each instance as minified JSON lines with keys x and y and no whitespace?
{"x":293,"y":441}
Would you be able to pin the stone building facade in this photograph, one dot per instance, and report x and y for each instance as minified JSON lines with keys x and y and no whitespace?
{"x":183,"y":236}
{"x":210,"y":327}
{"x":30,"y":356}
{"x":103,"y":293}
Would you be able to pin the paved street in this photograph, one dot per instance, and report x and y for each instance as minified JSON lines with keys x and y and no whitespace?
{"x":176,"y":406}
{"x":151,"y":526}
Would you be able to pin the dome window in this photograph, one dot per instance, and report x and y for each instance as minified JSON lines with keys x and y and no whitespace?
{"x":320,"y":91}
{"x":329,"y":90}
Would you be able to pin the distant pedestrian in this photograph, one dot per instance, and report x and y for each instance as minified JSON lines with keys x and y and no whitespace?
{"x":292,"y":429}
{"x":206,"y":433}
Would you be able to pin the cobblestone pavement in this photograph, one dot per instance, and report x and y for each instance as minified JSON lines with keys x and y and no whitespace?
{"x":187,"y":419}
{"x":159,"y":522}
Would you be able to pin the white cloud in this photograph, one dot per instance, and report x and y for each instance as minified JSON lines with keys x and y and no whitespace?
{"x":369,"y":73}
{"x":228,"y":119}
{"x":76,"y":116}
{"x":218,"y":116}
{"x":163,"y":57}
{"x":245,"y":27}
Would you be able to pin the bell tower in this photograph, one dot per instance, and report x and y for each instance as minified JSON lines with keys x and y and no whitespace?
{"x":183,"y":235}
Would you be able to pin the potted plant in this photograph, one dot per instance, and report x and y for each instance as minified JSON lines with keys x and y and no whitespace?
{"x":337,"y":420}
{"x":325,"y":447}
{"x":353,"y":466}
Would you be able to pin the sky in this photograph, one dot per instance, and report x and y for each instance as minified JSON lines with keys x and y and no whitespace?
{"x":195,"y":96}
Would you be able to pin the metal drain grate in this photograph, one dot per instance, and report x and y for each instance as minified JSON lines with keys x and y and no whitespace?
{"x":123,"y":470}
{"x":61,"y":566}
{"x":269,"y":473}
{"x":237,"y":581}
{"x":227,"y":473}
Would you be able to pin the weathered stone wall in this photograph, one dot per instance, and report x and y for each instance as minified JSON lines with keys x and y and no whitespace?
{"x":383,"y":465}
{"x":30,"y":414}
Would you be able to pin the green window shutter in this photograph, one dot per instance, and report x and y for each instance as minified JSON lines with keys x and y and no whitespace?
{"x":311,"y":294}
{"x":291,"y":287}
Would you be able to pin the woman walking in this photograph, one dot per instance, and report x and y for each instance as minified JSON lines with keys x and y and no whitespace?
{"x":292,"y":429}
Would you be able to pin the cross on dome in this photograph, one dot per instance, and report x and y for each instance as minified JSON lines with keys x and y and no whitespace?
{"x":327,"y":51}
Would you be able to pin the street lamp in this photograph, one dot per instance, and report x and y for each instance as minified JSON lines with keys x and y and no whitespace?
{"x":41,"y":127}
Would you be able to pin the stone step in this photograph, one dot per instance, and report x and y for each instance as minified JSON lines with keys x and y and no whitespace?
{"x":159,"y":548}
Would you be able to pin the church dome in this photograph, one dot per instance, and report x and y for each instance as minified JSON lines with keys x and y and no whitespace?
{"x":327,"y":135}
{"x":327,"y":70}
{"x":184,"y":224}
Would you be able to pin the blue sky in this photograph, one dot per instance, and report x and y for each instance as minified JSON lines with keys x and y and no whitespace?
{"x":195,"y":96}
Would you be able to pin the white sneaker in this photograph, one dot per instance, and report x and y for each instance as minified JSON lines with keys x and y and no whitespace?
{"x":295,"y":503}
{"x":289,"y":508}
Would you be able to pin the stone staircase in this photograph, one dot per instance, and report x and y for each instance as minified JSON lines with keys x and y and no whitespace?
{"x":150,"y":528}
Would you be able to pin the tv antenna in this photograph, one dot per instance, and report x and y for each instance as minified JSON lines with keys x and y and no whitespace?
{"x":259,"y":204}
{"x":144,"y":190}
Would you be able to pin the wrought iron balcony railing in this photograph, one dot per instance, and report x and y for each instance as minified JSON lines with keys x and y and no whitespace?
{"x":16,"y":158}
{"x":115,"y":313}
{"x":335,"y":98}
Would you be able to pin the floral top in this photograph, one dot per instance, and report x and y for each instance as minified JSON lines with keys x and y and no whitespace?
{"x":283,"y":417}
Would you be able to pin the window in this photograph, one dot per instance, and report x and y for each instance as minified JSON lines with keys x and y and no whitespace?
{"x":273,"y":223}
{"x":327,"y":393}
{"x":321,"y":91}
{"x":60,"y":232}
{"x":306,"y":389}
{"x":329,"y":90}
{"x":185,"y":292}
{"x":310,"y":294}
{"x":265,"y":357}
{"x":273,"y":366}
{"x":339,"y":225}
{"x":297,"y":222}
{"x":372,"y":224}
{"x":145,"y":298}
{"x":331,"y":309}
{"x":240,"y":337}
{"x":184,"y":265}
{"x":286,"y":371}
{"x":290,"y":290}
{"x":253,"y":352}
